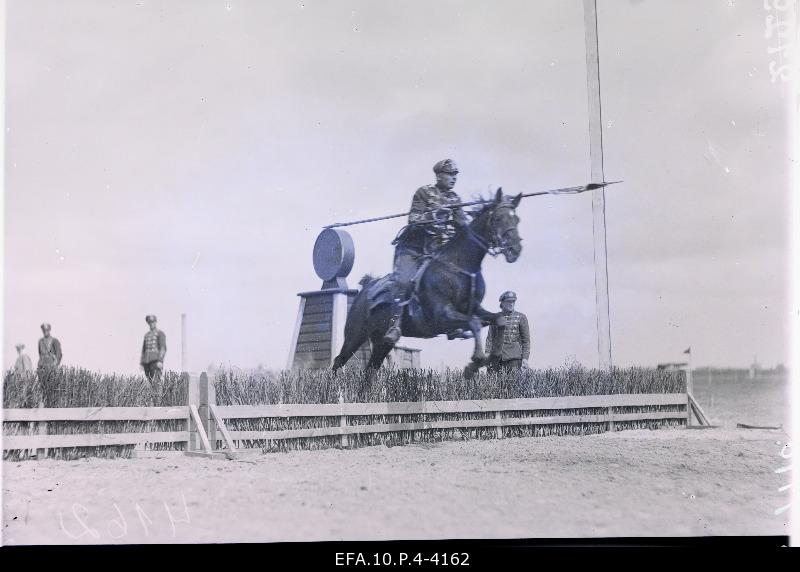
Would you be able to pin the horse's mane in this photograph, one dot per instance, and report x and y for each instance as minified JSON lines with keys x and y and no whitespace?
{"x":366,"y":279}
{"x":487,"y":204}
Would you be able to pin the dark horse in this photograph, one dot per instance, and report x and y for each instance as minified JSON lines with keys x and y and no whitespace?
{"x":448,"y":293}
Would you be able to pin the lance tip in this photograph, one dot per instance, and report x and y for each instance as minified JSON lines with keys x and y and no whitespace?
{"x":594,"y":186}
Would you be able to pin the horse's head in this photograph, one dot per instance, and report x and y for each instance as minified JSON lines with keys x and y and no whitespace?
{"x":500,"y":225}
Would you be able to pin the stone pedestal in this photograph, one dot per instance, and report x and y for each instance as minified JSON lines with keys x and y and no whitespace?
{"x":319,"y":329}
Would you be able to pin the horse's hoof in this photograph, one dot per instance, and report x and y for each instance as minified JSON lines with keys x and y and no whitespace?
{"x":470,"y":370}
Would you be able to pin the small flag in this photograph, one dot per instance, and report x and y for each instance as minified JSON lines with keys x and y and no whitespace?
{"x":688,"y":350}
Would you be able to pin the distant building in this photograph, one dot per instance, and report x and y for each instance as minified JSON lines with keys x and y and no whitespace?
{"x":404,"y":358}
{"x":672,"y":366}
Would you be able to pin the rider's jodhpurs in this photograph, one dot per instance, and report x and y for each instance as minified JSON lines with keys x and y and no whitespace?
{"x":405,"y":267}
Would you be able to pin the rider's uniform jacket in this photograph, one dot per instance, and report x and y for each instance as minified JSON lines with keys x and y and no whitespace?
{"x":425,"y":233}
{"x":512,"y":341}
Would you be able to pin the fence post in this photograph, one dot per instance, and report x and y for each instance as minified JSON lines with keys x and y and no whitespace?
{"x":689,"y":391}
{"x":344,"y":441}
{"x":202,"y":408}
{"x":611,"y":421}
{"x":499,"y":429}
{"x":41,"y":429}
{"x":193,"y":399}
{"x":212,"y":424}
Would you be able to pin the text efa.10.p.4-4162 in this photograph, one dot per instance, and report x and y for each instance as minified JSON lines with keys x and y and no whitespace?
{"x":401,"y":559}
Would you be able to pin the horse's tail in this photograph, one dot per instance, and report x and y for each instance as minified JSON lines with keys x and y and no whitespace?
{"x":366,"y":279}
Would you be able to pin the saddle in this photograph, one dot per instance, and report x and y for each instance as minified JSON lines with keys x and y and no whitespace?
{"x":381,"y":291}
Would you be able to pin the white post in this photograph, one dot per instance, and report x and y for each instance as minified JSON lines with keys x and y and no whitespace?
{"x":689,"y":389}
{"x":184,"y":356}
{"x":338,"y":319}
{"x":296,"y":334}
{"x":597,"y":176}
{"x":343,"y":440}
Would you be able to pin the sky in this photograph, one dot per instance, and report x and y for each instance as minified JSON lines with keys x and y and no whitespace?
{"x":175,"y":157}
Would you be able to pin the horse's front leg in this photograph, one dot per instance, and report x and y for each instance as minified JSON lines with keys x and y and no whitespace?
{"x":486,"y":316}
{"x":478,"y":355}
{"x":455,"y":319}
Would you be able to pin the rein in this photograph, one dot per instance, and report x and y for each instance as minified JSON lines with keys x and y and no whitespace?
{"x":496,"y":244}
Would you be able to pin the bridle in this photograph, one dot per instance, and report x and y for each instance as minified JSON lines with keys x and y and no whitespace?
{"x":497,"y":243}
{"x":498,"y":240}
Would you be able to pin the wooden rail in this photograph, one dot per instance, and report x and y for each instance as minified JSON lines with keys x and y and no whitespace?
{"x":440,"y":407}
{"x":607,"y":412}
{"x":95,"y":414}
{"x":194,"y":433}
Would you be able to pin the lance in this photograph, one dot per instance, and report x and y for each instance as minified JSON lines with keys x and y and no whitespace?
{"x":563,"y":191}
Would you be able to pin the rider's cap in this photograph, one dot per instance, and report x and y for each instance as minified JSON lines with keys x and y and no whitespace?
{"x":149,"y":318}
{"x":509,"y":295}
{"x":445,"y":166}
{"x":45,"y":326}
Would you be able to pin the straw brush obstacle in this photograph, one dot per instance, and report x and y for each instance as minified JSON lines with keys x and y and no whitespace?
{"x":112,"y":416}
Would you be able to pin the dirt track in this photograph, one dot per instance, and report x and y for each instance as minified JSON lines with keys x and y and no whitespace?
{"x":632,"y":483}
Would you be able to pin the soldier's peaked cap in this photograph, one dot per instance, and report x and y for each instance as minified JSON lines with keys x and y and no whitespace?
{"x":445,"y":166}
{"x":508,"y":295}
{"x":150,"y":318}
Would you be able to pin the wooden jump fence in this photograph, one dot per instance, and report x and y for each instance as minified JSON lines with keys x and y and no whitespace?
{"x":207,"y":434}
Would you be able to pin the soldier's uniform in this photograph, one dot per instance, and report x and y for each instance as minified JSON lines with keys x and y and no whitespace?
{"x":49,"y":353}
{"x":49,"y":360}
{"x":430,"y":224}
{"x":23,"y":365}
{"x":154,"y":348}
{"x":510,"y":344}
{"x":429,"y":227}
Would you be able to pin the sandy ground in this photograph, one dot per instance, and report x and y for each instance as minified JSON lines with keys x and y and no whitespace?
{"x":670,"y":482}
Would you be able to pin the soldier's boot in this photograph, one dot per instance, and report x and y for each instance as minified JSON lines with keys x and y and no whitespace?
{"x":395,"y":332}
{"x":402,"y":294}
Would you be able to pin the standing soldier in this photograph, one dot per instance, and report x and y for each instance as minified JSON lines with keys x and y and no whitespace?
{"x":509,"y":345}
{"x":23,"y":365}
{"x":49,"y":350}
{"x":49,"y":360}
{"x":154,"y":349}
{"x":430,"y":224}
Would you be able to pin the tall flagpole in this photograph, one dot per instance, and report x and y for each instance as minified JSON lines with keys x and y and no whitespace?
{"x":184,"y":345}
{"x":598,"y":196}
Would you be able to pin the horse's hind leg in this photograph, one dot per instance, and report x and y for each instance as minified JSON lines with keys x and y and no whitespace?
{"x":352,"y":341}
{"x":379,"y":352}
{"x":355,"y":332}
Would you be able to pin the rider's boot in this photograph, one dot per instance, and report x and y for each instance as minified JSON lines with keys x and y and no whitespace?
{"x":394,"y":333}
{"x":402,"y":293}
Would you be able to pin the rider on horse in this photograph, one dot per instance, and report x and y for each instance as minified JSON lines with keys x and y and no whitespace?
{"x":430,"y":226}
